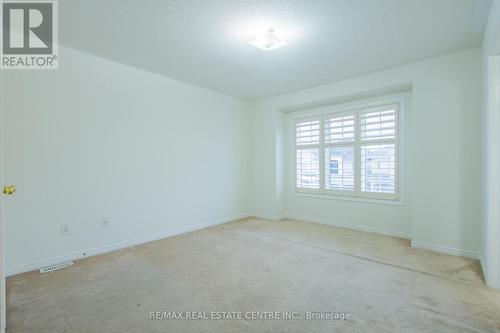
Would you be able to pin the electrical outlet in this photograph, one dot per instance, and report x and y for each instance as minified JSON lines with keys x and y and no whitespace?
{"x":64,"y":229}
{"x":104,"y":223}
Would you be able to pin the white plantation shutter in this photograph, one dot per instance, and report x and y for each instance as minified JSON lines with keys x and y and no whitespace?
{"x":308,"y":168}
{"x":339,"y":151}
{"x":339,"y":128}
{"x":339,"y":168}
{"x":307,"y":139}
{"x":352,"y":153}
{"x":307,"y":133}
{"x":378,"y":168}
{"x":378,"y":129}
{"x":378,"y":123}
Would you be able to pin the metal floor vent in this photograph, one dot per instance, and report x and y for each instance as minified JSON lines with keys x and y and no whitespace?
{"x":55,"y":267}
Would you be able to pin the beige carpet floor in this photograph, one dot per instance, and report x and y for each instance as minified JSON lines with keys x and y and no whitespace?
{"x":251,"y":265}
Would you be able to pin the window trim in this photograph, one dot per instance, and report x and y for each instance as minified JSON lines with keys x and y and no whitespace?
{"x":325,"y":112}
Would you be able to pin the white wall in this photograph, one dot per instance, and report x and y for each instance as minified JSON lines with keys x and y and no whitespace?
{"x":98,"y":139}
{"x":442,"y":207}
{"x":490,"y":240}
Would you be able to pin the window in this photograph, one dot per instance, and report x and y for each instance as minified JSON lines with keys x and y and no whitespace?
{"x":334,"y":167}
{"x":349,"y":153}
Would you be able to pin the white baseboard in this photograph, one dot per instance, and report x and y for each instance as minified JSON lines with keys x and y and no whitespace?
{"x":483,"y":267}
{"x":445,"y":249}
{"x":493,"y":285}
{"x":270,"y":217}
{"x":373,"y":230}
{"x":18,"y":269}
{"x":392,"y":233}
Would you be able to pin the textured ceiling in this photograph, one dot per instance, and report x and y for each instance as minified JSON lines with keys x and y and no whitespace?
{"x":205,"y":42}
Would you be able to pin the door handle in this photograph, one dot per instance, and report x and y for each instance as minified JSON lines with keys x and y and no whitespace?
{"x":9,"y":189}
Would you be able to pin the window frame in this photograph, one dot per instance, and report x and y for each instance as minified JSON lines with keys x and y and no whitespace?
{"x":355,"y":108}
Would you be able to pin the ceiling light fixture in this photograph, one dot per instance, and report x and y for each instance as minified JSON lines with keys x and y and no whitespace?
{"x":268,"y":41}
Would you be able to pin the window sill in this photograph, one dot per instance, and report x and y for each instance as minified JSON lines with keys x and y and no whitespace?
{"x":390,"y":202}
